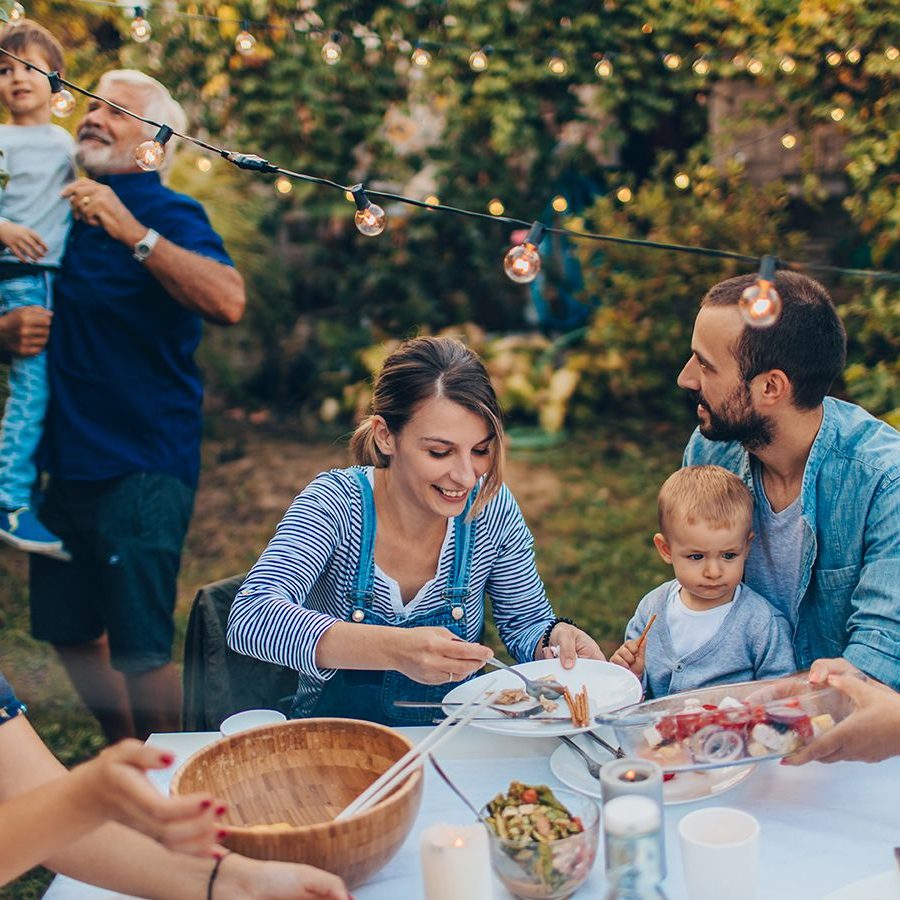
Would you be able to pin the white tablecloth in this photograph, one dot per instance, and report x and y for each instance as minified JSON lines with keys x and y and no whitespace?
{"x":821,"y":826}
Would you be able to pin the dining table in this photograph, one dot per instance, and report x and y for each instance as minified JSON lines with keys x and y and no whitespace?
{"x":821,"y":826}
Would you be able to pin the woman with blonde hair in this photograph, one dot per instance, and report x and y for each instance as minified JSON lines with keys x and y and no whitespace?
{"x":368,"y":615}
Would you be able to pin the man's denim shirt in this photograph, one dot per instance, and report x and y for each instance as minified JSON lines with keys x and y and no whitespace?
{"x":848,"y":598}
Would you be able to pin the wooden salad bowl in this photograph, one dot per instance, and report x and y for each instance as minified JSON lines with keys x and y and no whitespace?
{"x":285,"y":783}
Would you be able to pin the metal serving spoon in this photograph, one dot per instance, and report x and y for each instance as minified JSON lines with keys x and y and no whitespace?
{"x":552,"y":690}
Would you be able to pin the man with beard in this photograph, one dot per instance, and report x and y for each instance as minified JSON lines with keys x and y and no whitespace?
{"x":825,"y":475}
{"x":142,"y":270}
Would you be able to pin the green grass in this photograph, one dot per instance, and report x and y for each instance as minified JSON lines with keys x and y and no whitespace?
{"x":590,"y":502}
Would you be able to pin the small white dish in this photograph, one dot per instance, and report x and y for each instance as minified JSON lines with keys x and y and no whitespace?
{"x":685,"y":787}
{"x":885,"y":886}
{"x":609,"y":687}
{"x":250,"y":718}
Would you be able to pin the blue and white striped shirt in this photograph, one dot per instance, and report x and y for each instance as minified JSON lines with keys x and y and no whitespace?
{"x":298,"y":588}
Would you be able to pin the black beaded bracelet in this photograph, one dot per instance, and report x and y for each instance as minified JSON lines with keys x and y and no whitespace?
{"x":559,"y":620}
{"x":214,"y":874}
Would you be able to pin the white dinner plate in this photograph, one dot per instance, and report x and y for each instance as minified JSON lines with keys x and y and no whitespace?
{"x":609,"y":687}
{"x":885,"y":886}
{"x":685,"y":787}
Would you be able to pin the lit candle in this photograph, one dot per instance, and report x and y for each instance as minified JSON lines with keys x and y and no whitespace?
{"x":456,"y":863}
{"x":641,"y":777}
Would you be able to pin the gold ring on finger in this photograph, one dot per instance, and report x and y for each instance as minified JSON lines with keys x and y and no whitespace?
{"x":85,"y":201}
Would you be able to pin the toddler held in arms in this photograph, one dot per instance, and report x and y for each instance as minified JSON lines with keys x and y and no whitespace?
{"x":710,"y":628}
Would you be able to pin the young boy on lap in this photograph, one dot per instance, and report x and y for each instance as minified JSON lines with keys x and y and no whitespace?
{"x":710,"y":628}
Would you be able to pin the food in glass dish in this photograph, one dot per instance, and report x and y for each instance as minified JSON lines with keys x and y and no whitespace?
{"x":542,"y":847}
{"x":728,"y":724}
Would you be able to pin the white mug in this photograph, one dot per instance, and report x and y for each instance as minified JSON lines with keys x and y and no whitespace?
{"x":250,"y":718}
{"x":720,"y":854}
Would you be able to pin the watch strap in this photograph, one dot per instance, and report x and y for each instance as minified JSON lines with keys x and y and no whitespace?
{"x":144,"y":247}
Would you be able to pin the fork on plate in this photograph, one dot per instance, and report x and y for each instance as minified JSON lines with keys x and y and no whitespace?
{"x":509,"y":713}
{"x":593,"y":766}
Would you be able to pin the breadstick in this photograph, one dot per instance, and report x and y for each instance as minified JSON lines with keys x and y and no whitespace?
{"x":643,"y":636}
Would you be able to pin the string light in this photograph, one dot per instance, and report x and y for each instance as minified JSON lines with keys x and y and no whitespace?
{"x":203,"y":164}
{"x":682,"y":181}
{"x":788,"y":141}
{"x":523,"y":262}
{"x":495,"y":207}
{"x":892,"y":53}
{"x":760,"y":303}
{"x":647,"y":28}
{"x":557,"y":64}
{"x":283,"y":185}
{"x":478,"y":61}
{"x":833,"y":58}
{"x":739,"y":60}
{"x":16,"y":12}
{"x":331,"y":50}
{"x":348,"y":196}
{"x":370,"y":218}
{"x":559,"y":203}
{"x":150,"y":155}
{"x":244,"y":42}
{"x":853,"y":55}
{"x":140,"y":27}
{"x":432,"y":200}
{"x":62,"y":102}
{"x":421,"y":57}
{"x":604,"y":67}
{"x":788,"y":65}
{"x":701,"y":66}
{"x":624,"y":195}
{"x":754,"y":66}
{"x":672,"y":61}
{"x":837,"y":114}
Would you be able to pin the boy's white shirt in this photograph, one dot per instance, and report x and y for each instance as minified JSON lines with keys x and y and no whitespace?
{"x":690,"y":628}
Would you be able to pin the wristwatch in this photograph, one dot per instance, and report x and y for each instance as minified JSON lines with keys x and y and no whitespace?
{"x":144,"y":247}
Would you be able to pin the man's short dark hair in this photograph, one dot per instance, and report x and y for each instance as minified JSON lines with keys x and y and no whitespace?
{"x":808,"y":342}
{"x":18,"y":36}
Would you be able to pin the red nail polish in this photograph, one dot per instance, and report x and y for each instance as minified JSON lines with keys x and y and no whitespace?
{"x":205,"y":804}
{"x":221,"y":810}
{"x":221,"y":834}
{"x":167,"y":759}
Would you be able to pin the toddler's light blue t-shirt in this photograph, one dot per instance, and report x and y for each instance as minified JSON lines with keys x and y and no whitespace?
{"x":39,"y":162}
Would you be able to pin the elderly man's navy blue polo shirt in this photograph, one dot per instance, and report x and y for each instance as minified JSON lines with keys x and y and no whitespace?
{"x":125,"y":392}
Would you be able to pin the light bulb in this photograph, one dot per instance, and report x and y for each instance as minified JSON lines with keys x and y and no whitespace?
{"x":647,"y":28}
{"x":701,"y":66}
{"x":16,"y":12}
{"x":788,"y":141}
{"x":853,"y":55}
{"x":432,"y":200}
{"x":672,"y":61}
{"x":682,"y":181}
{"x":283,"y":185}
{"x":837,"y":114}
{"x":370,"y":218}
{"x":754,"y":66}
{"x":421,"y":57}
{"x":478,"y":61}
{"x":739,"y":60}
{"x":559,"y":203}
{"x":244,"y":42}
{"x":150,"y":155}
{"x":788,"y":64}
{"x":892,"y":53}
{"x":331,"y":52}
{"x":760,"y":304}
{"x":523,"y":262}
{"x":140,"y":28}
{"x":604,"y":67}
{"x":203,"y":164}
{"x":624,"y":195}
{"x":496,"y":207}
{"x":557,"y":65}
{"x":833,"y":58}
{"x":62,"y":102}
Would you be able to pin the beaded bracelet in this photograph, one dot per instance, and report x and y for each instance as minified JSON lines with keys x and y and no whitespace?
{"x":214,"y":874}
{"x":559,"y":620}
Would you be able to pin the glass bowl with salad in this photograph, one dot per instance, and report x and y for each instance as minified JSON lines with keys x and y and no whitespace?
{"x":543,"y":842}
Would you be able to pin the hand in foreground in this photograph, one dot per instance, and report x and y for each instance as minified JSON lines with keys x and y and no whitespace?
{"x":267,"y":880}
{"x":24,"y":330}
{"x":116,"y":785}
{"x":433,"y":655}
{"x":97,"y":204}
{"x":870,"y":733}
{"x":631,"y":655}
{"x":572,"y":643}
{"x":25,"y":243}
{"x":822,"y":668}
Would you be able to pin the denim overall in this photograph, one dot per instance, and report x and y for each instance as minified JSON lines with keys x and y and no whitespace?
{"x":370,"y":695}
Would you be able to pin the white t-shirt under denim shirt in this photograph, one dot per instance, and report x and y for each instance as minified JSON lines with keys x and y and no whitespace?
{"x":38,"y":160}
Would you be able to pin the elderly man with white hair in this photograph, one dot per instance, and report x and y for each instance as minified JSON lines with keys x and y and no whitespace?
{"x":142,"y":269}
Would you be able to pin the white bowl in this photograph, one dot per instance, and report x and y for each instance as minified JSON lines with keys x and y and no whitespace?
{"x":250,"y":718}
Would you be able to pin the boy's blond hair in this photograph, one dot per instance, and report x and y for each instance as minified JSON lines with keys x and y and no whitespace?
{"x":708,"y":494}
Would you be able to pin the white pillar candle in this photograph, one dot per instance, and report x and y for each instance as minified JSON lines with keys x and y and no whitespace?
{"x":456,"y":863}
